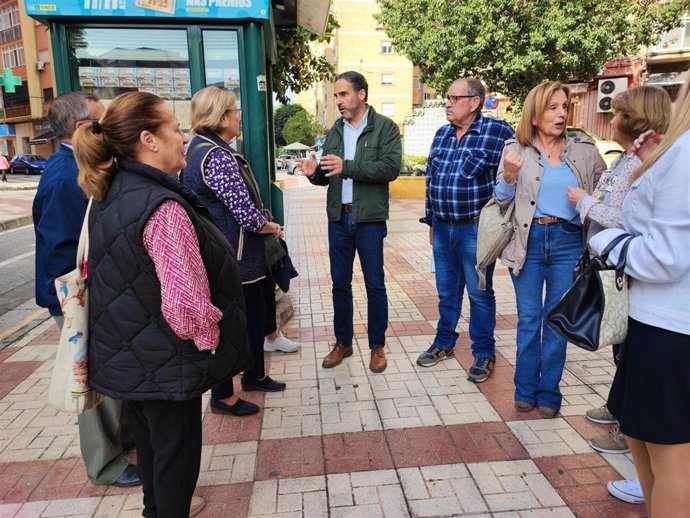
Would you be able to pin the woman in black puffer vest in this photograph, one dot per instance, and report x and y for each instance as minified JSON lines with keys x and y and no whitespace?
{"x":161,"y":334}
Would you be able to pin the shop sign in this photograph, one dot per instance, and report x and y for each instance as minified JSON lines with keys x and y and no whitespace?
{"x":215,"y":9}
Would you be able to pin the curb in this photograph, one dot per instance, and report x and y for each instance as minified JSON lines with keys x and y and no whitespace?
{"x":14,"y":223}
{"x":18,"y":188}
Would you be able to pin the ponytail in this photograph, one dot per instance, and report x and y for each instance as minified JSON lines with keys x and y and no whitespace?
{"x":96,"y":161}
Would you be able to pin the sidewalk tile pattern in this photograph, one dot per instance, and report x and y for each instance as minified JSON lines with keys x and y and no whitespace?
{"x":343,"y":442}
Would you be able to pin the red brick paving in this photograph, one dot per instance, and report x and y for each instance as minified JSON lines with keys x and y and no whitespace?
{"x":484,"y":442}
{"x":427,"y":446}
{"x":289,"y":458}
{"x":13,"y":373}
{"x":361,"y":451}
{"x":581,"y":482}
{"x":225,"y":501}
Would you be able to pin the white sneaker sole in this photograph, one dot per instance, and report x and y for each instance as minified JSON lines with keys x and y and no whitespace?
{"x":271,"y":349}
{"x":601,"y":421}
{"x":605,"y":450}
{"x":622,"y":495}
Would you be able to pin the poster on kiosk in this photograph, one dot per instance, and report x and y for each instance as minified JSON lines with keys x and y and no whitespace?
{"x":219,"y":9}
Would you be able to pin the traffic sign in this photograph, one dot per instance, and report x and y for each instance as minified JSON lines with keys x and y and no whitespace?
{"x":490,"y":102}
{"x":318,"y":141}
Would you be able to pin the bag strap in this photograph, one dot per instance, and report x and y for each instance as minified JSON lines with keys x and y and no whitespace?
{"x":83,"y":247}
{"x":622,"y":257}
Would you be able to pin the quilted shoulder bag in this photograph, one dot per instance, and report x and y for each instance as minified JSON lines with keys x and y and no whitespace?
{"x":593,"y":312}
{"x":69,"y":383}
{"x":494,"y":232}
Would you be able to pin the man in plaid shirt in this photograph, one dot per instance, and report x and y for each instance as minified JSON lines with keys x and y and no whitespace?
{"x":461,"y":174}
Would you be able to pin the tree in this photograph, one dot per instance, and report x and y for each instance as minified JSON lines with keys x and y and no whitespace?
{"x":297,"y":67}
{"x":281,"y":116}
{"x":302,"y":127}
{"x":513,"y":45}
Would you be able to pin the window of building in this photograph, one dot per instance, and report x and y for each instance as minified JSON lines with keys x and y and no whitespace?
{"x":387,"y":79}
{"x":9,"y":24}
{"x":48,"y":94}
{"x":387,"y":47}
{"x":387,"y":109}
{"x":13,"y":55}
{"x":675,"y":39}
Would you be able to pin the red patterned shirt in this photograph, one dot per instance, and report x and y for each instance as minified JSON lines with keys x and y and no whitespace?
{"x":171,"y":241}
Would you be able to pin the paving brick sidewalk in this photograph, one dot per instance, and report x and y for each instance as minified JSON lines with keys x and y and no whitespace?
{"x":344,"y":442}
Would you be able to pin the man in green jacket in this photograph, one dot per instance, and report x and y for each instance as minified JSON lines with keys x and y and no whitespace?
{"x":361,"y":155}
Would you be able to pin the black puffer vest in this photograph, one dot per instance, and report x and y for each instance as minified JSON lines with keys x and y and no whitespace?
{"x":133,"y":353}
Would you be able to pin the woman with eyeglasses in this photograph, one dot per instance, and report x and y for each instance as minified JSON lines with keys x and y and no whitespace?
{"x":224,"y":182}
{"x":536,"y":170}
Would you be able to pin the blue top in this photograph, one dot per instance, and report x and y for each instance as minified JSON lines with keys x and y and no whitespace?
{"x":460,"y":176}
{"x":58,"y":212}
{"x":552,"y":199}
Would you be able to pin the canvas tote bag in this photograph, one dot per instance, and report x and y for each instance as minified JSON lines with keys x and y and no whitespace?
{"x":69,"y":383}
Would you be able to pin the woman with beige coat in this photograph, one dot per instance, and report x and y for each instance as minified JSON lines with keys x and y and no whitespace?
{"x":536,"y":170}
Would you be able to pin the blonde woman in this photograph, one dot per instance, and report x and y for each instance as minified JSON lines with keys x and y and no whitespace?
{"x":651,"y":389}
{"x":225,"y":184}
{"x":635,"y":112}
{"x":166,"y":314}
{"x":536,"y":171}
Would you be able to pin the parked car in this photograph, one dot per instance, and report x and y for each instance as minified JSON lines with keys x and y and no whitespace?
{"x":608,"y":149}
{"x":27,"y":164}
{"x":282,"y":161}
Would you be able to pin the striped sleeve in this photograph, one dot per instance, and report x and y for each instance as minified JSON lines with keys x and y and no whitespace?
{"x":171,"y":241}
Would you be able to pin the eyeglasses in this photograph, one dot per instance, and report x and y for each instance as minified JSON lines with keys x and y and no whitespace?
{"x":452,"y":99}
{"x":238,"y":110}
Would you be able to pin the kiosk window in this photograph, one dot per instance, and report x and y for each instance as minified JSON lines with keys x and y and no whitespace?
{"x":109,"y":62}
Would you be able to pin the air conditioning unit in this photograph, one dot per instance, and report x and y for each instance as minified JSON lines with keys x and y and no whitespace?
{"x":40,"y":65}
{"x":607,"y":90}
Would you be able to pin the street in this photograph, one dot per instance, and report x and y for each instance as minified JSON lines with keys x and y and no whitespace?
{"x":18,"y":311}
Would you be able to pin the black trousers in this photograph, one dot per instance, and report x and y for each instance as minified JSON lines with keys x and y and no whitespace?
{"x":168,"y":440}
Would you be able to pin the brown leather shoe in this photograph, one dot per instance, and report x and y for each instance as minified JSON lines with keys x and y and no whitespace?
{"x":523,"y":406}
{"x":336,"y":356}
{"x":546,"y":412}
{"x":197,"y":506}
{"x":378,"y":362}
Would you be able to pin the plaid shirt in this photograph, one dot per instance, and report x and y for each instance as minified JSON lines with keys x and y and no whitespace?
{"x":460,"y":176}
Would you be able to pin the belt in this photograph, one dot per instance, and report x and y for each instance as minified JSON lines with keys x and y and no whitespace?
{"x":464,"y":221}
{"x":548,"y":220}
{"x":347,"y":207}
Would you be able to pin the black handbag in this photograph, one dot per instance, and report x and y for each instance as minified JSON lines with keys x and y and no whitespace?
{"x":593,"y":312}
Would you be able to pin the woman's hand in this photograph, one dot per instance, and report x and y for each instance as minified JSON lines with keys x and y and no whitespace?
{"x":645,"y":144}
{"x":512,"y":162}
{"x":273,"y":228}
{"x":574,"y":194}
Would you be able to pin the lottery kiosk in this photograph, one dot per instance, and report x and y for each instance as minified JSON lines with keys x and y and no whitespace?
{"x":173,"y":48}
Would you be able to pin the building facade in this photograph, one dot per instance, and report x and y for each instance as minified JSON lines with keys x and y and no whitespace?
{"x":25,"y":50}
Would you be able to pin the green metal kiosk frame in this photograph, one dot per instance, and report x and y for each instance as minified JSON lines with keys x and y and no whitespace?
{"x":251,"y":20}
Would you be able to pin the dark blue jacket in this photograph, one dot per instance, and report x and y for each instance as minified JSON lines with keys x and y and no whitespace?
{"x":58,"y":212}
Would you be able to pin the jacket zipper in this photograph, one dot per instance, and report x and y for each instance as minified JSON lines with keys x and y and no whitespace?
{"x":240,"y":245}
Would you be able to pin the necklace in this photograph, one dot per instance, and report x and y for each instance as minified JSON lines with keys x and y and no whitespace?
{"x":554,"y":149}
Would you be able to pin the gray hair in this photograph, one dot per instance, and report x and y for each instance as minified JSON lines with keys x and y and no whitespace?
{"x":67,"y":109}
{"x":475,"y":88}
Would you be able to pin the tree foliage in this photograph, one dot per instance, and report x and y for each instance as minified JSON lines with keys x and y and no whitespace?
{"x":512,"y":45}
{"x":302,"y":127}
{"x":281,"y":116}
{"x":297,"y":67}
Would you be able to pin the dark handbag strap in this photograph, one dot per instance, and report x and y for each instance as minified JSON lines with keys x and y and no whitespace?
{"x":622,"y":257}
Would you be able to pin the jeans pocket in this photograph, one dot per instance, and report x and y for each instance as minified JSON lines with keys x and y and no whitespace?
{"x":571,"y":228}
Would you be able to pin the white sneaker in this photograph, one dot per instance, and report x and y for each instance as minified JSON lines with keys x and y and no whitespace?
{"x":627,"y":490}
{"x":281,"y":343}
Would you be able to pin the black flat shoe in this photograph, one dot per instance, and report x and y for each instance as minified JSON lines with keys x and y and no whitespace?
{"x":266,"y":385}
{"x":240,"y":408}
{"x":129,"y":477}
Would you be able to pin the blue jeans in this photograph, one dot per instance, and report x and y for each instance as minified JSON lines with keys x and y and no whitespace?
{"x":552,"y":251}
{"x":345,"y":237}
{"x":455,"y":257}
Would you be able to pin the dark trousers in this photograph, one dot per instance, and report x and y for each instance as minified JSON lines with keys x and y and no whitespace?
{"x":168,"y":441}
{"x":345,"y":237}
{"x":269,"y":287}
{"x":255,"y":305}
